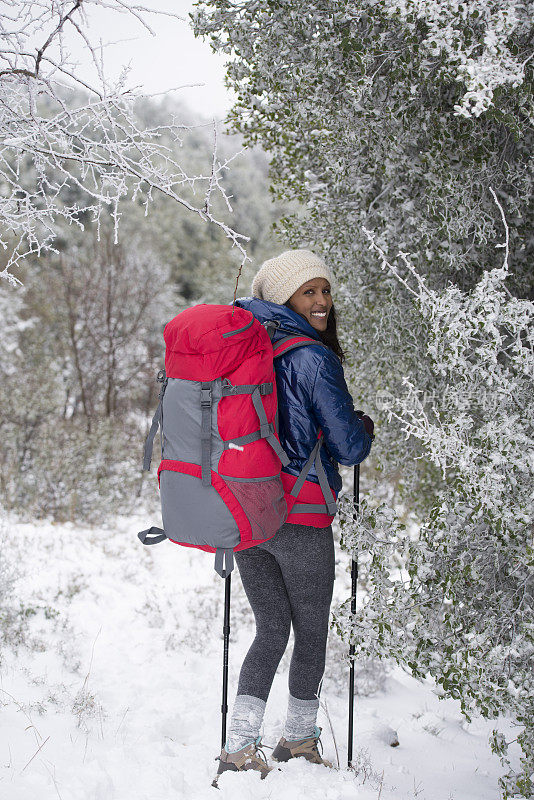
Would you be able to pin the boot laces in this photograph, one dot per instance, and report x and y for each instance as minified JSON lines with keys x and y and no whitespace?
{"x":317,"y":736}
{"x":259,"y":749}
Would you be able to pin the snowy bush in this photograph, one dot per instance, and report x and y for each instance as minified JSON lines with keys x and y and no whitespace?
{"x":13,"y":616}
{"x":66,"y":473}
{"x":460,"y":606}
{"x":19,"y":613}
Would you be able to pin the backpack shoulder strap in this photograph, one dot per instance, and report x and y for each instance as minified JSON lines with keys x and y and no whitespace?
{"x":292,"y":342}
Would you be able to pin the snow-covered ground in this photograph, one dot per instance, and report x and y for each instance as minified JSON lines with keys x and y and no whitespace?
{"x":117,"y":696}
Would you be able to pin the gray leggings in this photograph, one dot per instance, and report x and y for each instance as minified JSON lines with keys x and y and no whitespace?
{"x":288,"y":580}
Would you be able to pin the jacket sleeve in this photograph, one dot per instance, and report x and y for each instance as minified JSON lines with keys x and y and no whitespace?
{"x":344,"y":432}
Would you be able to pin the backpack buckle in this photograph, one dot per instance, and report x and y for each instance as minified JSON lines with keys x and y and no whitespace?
{"x":229,"y":386}
{"x":205,"y":397}
{"x":271,"y":325}
{"x":162,"y":379}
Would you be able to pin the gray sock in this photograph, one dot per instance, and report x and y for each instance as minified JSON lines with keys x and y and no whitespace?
{"x":301,"y":718}
{"x":247,"y":716}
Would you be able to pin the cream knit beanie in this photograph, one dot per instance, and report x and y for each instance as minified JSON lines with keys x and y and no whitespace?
{"x":279,"y":277}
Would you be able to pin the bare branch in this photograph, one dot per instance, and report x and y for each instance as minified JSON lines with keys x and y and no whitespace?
{"x":54,"y":33}
{"x":55,"y":140}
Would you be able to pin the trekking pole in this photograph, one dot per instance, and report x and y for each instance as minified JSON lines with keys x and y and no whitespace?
{"x":354,"y":583}
{"x":226,"y":637}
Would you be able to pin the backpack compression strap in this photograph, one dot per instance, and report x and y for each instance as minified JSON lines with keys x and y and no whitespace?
{"x":205,"y":432}
{"x":156,"y":422}
{"x":267,"y":430}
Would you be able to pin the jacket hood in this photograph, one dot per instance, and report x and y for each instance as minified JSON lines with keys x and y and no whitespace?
{"x":289,"y":320}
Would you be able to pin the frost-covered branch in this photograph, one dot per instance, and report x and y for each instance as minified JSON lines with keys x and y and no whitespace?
{"x":473,"y":40}
{"x":69,"y":148}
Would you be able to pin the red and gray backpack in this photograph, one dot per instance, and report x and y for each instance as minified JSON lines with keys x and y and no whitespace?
{"x":220,"y":476}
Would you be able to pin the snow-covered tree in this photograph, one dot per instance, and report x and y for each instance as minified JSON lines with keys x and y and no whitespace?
{"x":369,"y":114}
{"x":461,"y":609}
{"x":399,"y":124}
{"x":68,"y":148}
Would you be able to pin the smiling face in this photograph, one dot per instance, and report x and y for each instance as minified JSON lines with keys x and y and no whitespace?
{"x":313,"y":301}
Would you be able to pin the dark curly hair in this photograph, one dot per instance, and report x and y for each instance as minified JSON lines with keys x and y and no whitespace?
{"x":329,"y":336}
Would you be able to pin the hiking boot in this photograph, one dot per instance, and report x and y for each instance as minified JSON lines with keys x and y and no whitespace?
{"x":246,"y":758}
{"x":307,"y":748}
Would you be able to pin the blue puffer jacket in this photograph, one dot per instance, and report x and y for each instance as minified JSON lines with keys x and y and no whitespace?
{"x":312,"y":394}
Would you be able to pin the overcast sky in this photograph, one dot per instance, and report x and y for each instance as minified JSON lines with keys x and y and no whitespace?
{"x":172,"y":57}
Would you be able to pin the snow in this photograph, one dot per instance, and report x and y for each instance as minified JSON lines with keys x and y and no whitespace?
{"x":119,"y":686}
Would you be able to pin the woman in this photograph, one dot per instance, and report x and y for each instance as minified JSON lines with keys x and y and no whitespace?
{"x":289,"y":579}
